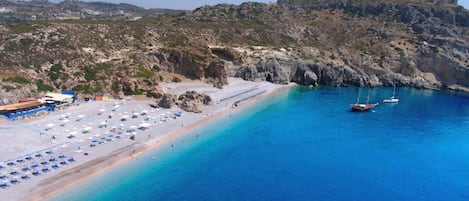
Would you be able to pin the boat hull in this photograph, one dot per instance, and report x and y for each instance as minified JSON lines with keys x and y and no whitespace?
{"x":391,"y":100}
{"x":362,"y":107}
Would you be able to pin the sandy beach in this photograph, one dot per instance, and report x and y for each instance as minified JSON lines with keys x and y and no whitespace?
{"x":46,"y":155}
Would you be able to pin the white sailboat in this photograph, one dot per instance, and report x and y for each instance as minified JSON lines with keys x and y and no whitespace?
{"x":393,"y":98}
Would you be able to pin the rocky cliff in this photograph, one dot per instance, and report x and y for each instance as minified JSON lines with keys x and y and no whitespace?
{"x":415,"y":43}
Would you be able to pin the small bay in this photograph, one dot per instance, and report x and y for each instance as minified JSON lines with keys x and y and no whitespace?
{"x":305,"y":144}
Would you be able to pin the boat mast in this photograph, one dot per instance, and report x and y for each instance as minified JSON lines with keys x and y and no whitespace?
{"x":358,"y":97}
{"x":368,"y":96}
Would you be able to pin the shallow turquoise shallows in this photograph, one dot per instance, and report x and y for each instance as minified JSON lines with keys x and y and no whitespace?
{"x":304,"y":144}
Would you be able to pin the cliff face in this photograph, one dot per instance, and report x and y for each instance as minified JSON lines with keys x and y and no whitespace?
{"x":415,"y":44}
{"x":356,"y":42}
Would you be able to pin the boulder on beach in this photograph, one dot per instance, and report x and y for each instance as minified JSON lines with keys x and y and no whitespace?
{"x":168,"y":100}
{"x":191,"y":101}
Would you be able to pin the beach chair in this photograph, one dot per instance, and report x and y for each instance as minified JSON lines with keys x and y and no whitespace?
{"x":25,"y":176}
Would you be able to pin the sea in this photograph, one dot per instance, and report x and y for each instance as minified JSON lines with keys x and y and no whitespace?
{"x":305,"y":144}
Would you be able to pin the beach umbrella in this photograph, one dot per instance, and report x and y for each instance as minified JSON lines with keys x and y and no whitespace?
{"x":72,"y":135}
{"x":80,"y":117}
{"x":10,"y":163}
{"x":25,"y":168}
{"x":49,"y":151}
{"x":35,"y":164}
{"x":14,"y":172}
{"x":4,"y":183}
{"x":101,"y":111}
{"x":52,"y":159}
{"x":50,"y":125}
{"x":71,"y":159}
{"x":55,"y":165}
{"x":45,"y":168}
{"x":25,"y":175}
{"x":144,"y":125}
{"x":35,"y":172}
{"x":1,"y":165}
{"x":86,"y":129}
{"x":64,"y":145}
{"x":14,"y":180}
{"x":62,"y":155}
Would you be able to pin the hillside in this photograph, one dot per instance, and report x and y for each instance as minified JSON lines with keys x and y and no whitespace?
{"x":415,"y":43}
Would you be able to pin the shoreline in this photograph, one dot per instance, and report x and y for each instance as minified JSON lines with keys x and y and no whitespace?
{"x":66,"y":180}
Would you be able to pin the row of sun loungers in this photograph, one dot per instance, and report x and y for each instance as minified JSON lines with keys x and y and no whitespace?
{"x":23,"y":168}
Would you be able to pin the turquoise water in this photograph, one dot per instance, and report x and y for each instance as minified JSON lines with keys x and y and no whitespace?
{"x":304,"y":144}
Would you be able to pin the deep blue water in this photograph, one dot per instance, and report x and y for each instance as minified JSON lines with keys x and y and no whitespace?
{"x":304,"y":144}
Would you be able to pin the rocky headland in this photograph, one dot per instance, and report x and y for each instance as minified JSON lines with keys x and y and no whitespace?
{"x":415,"y":43}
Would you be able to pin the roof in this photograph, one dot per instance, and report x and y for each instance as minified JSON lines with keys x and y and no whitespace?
{"x":57,"y":97}
{"x":17,"y":106}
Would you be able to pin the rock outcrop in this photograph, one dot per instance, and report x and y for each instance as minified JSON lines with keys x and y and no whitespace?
{"x":191,"y":101}
{"x":168,"y":101}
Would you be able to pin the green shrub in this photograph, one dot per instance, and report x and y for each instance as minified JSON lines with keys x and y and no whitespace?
{"x":41,"y":86}
{"x":8,"y":88}
{"x":143,"y":72}
{"x":138,"y":92}
{"x":176,"y":79}
{"x":435,"y":49}
{"x":90,"y":73}
{"x":22,"y":28}
{"x":54,"y":72}
{"x":19,"y":80}
{"x":156,"y":68}
{"x":64,"y":76}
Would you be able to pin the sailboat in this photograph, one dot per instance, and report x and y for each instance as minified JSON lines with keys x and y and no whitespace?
{"x":393,"y":98}
{"x":362,"y":107}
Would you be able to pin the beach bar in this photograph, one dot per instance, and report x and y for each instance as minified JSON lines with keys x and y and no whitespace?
{"x":33,"y":107}
{"x":23,"y":109}
{"x":57,"y":101}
